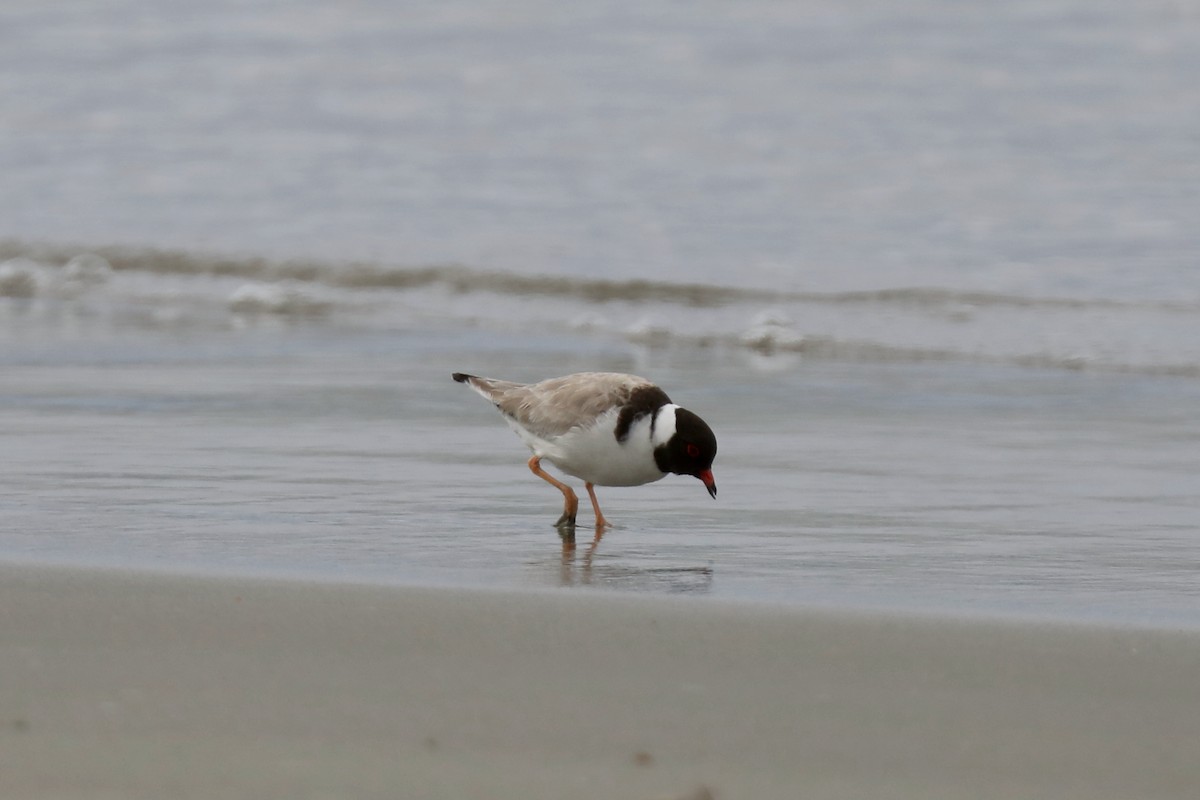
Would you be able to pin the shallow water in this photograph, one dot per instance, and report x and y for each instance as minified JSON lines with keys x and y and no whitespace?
{"x":929,"y":271}
{"x":351,"y":454}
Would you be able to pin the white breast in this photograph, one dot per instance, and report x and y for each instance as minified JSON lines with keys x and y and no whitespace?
{"x":593,"y":453}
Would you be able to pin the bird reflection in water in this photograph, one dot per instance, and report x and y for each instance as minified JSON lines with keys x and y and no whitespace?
{"x":578,"y":567}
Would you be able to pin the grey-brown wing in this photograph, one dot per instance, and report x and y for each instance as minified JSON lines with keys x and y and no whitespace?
{"x":555,"y":406}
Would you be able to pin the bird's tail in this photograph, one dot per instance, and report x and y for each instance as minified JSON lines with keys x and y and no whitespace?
{"x":488,"y":388}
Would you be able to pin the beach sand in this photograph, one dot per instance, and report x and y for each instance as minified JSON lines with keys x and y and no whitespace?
{"x":119,"y":684}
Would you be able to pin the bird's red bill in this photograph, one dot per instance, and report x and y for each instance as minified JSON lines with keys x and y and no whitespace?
{"x":710,"y":483}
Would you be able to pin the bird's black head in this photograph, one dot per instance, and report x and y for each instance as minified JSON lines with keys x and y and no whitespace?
{"x":690,"y":451}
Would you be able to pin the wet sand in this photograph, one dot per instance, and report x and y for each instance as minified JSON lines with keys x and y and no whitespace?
{"x":137,"y":685}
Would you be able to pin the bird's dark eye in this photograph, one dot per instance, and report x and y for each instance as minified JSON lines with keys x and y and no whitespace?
{"x":693,"y":451}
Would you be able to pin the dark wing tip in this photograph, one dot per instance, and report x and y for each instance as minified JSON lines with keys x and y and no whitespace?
{"x":461,"y":377}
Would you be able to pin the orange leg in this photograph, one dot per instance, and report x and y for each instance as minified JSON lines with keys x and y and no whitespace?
{"x":570,"y":501}
{"x":601,"y":522}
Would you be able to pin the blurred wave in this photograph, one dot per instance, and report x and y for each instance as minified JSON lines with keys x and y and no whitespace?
{"x":889,"y":324}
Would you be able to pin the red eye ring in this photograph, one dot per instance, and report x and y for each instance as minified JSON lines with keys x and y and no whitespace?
{"x":693,"y":451}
